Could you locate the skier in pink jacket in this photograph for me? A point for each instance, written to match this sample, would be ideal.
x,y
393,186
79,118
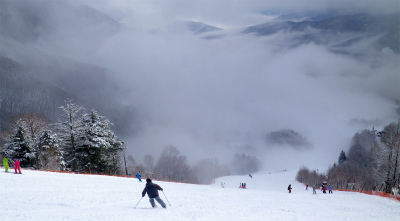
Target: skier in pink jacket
x,y
17,166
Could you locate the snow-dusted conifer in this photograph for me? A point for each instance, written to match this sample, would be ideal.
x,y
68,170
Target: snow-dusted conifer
x,y
49,155
20,147
100,148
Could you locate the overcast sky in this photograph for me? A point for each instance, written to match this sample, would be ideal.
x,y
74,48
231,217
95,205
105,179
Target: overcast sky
x,y
221,97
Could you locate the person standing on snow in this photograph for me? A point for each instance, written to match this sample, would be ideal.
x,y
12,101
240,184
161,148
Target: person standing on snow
x,y
330,189
323,189
17,166
290,188
152,191
139,176
5,163
313,190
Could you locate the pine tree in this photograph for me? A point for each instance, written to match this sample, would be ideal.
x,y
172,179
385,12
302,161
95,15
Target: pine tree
x,y
20,147
49,155
100,148
342,157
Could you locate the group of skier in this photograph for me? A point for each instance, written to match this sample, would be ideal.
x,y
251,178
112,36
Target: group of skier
x,y
242,185
323,188
16,165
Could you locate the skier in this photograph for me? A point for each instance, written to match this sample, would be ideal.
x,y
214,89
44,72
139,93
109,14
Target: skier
x,y
330,189
17,166
313,190
323,189
290,188
5,163
152,191
307,187
139,176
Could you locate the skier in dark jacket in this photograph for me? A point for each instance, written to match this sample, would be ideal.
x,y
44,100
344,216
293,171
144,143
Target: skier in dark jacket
x,y
152,191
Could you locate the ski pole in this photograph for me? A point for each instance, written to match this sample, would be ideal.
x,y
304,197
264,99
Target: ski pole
x,y
138,203
166,198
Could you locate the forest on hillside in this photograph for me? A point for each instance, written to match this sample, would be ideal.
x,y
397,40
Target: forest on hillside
x,y
371,163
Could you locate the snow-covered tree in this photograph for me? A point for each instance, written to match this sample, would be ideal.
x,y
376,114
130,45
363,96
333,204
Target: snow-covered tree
x,y
49,155
386,157
20,146
99,149
70,132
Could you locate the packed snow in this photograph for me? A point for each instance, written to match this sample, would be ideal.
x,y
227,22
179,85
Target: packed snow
x,y
37,195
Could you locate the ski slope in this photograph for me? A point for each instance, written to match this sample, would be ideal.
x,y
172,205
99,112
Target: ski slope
x,y
49,196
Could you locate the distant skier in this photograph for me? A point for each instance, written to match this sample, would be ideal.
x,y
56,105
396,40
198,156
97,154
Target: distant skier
x,y
307,187
323,189
313,190
330,189
250,176
139,176
5,163
17,166
152,191
290,188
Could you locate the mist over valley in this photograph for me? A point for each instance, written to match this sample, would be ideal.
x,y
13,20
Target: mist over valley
x,y
262,80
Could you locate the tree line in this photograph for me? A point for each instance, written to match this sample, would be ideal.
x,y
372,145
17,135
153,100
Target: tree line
x,y
84,142
371,163
173,166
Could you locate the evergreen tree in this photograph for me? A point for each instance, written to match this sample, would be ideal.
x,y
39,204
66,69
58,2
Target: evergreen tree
x,y
20,147
49,155
99,149
342,157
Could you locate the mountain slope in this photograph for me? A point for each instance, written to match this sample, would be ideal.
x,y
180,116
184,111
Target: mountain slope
x,y
386,29
46,196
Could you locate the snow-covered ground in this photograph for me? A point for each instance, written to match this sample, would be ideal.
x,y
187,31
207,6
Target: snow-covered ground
x,y
52,196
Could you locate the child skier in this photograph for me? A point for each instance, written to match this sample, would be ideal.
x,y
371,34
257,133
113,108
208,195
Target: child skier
x,y
152,191
313,190
139,176
17,166
5,163
330,189
290,188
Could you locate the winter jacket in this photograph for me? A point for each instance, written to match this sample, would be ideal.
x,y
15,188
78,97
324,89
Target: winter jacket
x,y
151,189
16,164
5,161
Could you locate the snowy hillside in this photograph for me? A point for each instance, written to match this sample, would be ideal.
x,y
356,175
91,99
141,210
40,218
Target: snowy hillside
x,y
58,196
